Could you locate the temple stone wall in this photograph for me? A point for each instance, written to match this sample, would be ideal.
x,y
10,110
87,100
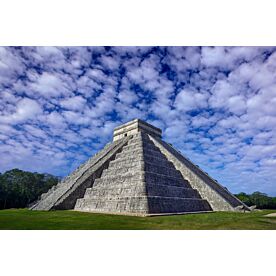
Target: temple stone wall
x,y
133,127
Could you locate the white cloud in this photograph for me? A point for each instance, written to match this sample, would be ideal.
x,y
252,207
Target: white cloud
x,y
54,119
236,104
212,56
221,92
217,105
110,63
25,109
76,118
73,103
187,100
10,66
102,104
145,72
35,131
127,97
49,85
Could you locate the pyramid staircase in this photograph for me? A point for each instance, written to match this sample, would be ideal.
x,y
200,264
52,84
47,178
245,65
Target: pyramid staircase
x,y
141,180
65,194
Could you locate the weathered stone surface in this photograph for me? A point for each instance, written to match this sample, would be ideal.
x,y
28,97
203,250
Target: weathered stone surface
x,y
141,181
139,174
133,127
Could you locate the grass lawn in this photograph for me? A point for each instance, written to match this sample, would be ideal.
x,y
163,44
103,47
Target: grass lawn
x,y
25,219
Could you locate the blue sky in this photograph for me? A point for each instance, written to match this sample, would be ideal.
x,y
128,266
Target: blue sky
x,y
59,105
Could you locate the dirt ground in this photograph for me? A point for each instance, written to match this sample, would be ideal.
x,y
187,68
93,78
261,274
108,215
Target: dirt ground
x,y
271,215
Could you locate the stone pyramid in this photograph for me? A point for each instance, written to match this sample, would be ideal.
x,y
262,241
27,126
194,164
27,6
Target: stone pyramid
x,y
138,173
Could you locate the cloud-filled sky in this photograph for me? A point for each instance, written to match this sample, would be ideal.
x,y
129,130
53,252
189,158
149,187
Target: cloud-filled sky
x,y
59,105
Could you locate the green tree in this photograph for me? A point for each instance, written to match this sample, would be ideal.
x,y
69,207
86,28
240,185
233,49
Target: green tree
x,y
244,198
261,200
19,188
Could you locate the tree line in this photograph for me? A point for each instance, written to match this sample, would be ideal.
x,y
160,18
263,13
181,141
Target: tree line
x,y
20,188
260,200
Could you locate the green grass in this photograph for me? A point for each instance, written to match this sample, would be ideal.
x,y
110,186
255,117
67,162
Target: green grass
x,y
25,219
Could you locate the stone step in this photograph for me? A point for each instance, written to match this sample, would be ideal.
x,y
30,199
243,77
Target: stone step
x,y
139,156
119,179
158,160
146,150
151,178
147,167
171,191
117,164
141,190
158,205
122,171
131,205
139,146
143,157
148,177
142,141
143,204
138,152
117,184
137,140
130,190
164,170
129,163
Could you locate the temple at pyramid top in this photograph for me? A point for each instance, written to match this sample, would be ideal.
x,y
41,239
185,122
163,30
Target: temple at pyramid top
x,y
140,174
135,126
